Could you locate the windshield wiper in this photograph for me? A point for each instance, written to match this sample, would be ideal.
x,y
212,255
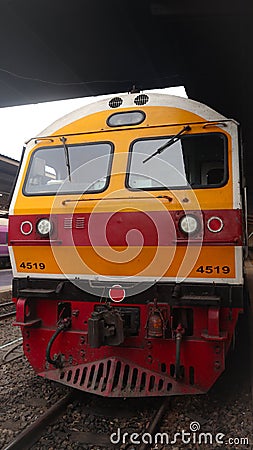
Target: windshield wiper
x,y
168,143
66,151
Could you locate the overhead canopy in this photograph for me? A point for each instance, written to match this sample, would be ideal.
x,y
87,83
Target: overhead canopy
x,y
59,49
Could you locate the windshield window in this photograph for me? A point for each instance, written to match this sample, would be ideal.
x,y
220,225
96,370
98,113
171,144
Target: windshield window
x,y
194,160
90,166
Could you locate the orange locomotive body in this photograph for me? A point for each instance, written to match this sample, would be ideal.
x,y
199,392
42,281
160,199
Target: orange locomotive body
x,y
125,235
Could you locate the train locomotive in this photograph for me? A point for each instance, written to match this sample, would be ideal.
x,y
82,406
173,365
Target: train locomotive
x,y
4,253
126,240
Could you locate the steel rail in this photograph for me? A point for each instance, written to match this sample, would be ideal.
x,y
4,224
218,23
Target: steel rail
x,y
10,313
5,316
151,427
6,356
156,421
2,305
11,343
32,433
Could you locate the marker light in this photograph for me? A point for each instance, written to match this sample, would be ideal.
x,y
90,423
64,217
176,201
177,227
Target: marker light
x,y
44,227
215,224
188,224
26,227
117,293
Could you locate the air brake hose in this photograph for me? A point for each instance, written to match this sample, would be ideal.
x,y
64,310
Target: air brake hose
x,y
179,336
178,350
62,326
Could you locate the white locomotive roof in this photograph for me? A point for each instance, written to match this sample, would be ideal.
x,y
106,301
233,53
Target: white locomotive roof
x,y
208,114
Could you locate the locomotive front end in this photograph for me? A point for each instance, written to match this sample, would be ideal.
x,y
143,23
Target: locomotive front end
x,y
126,244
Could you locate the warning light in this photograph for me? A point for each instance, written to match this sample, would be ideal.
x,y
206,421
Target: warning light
x,y
215,224
117,293
26,227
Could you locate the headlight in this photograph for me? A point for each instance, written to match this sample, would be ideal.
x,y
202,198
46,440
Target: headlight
x,y
26,227
44,227
188,224
215,224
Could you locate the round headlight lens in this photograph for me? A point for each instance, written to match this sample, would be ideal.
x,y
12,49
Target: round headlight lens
x,y
188,224
44,227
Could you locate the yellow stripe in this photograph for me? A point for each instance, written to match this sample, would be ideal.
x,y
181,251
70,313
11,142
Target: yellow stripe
x,y
120,261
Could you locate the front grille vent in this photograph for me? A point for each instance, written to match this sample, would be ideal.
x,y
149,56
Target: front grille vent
x,y
141,99
116,378
67,222
77,222
115,102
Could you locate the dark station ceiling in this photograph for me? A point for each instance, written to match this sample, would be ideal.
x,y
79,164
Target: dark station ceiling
x,y
58,49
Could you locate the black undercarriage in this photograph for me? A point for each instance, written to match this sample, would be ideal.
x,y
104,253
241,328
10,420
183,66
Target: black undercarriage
x,y
174,294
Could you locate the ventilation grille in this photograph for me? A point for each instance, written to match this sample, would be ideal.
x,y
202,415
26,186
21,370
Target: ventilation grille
x,y
68,222
141,99
115,102
116,378
77,222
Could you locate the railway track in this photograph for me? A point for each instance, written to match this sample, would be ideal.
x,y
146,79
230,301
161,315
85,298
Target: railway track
x,y
90,421
32,433
7,309
11,350
29,438
152,427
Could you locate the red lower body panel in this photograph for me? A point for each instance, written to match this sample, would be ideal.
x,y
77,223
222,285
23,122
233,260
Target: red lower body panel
x,y
140,366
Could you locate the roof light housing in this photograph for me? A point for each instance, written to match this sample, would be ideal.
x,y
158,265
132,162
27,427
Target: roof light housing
x,y
123,119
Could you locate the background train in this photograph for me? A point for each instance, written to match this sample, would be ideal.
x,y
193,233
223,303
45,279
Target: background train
x,y
126,240
4,253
